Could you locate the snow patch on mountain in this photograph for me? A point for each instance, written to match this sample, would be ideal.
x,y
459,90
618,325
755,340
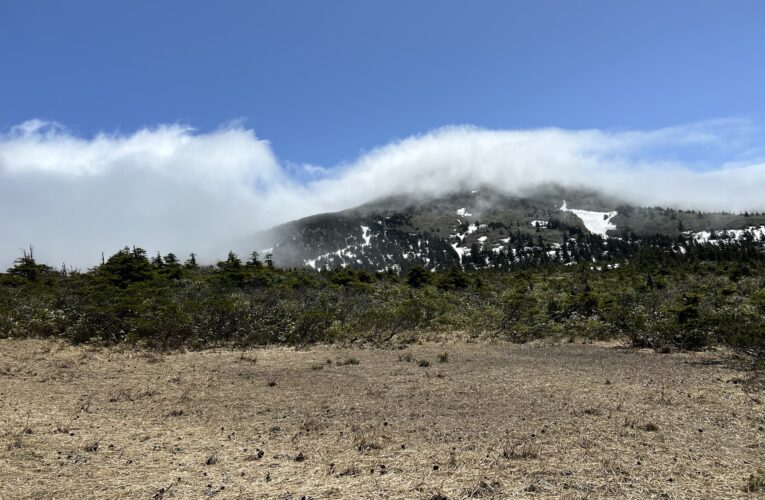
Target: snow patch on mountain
x,y
344,252
365,235
607,267
728,235
462,212
595,222
461,251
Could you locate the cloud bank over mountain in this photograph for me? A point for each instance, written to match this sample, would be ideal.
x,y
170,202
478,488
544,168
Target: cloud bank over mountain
x,y
171,188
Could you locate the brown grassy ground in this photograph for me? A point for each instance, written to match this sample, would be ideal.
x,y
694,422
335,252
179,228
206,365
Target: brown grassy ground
x,y
501,420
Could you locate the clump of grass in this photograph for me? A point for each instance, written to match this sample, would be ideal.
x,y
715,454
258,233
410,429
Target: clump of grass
x,y
123,395
755,482
17,438
649,427
423,363
350,471
482,489
248,359
16,442
443,358
152,358
255,456
407,357
317,367
312,425
272,382
365,441
185,396
348,361
366,445
452,462
521,451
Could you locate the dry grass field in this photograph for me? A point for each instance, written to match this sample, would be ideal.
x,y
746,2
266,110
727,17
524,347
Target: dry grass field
x,y
491,420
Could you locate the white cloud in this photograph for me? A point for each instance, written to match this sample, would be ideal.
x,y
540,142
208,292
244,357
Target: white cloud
x,y
165,188
171,188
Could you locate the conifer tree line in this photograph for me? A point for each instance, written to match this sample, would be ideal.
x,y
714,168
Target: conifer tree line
x,y
709,294
397,241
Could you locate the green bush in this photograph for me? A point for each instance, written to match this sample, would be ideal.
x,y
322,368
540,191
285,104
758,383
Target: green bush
x,y
684,303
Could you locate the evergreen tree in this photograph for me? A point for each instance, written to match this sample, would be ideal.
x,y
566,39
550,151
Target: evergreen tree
x,y
231,268
418,277
27,268
172,268
232,262
191,262
156,261
254,261
126,267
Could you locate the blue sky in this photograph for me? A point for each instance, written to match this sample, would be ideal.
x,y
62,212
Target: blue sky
x,y
188,126
324,81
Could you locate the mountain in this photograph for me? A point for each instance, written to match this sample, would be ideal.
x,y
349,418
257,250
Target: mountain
x,y
486,227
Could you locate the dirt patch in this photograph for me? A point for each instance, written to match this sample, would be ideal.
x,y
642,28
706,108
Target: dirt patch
x,y
486,420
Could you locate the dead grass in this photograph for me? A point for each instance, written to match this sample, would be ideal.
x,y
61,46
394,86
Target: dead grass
x,y
495,421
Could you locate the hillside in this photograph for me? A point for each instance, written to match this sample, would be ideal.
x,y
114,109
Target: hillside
x,y
484,227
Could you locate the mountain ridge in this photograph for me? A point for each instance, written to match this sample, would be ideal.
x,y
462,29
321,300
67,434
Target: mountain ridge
x,y
485,227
